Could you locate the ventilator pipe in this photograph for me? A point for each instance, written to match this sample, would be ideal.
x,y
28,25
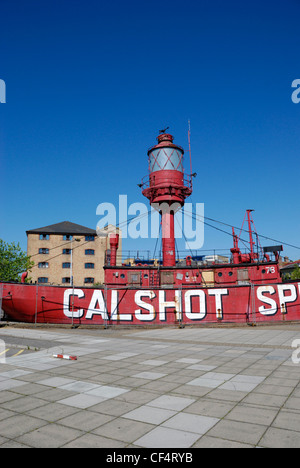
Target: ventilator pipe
x,y
114,245
24,276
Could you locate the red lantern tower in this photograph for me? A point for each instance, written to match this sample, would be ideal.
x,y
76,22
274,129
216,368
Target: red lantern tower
x,y
167,189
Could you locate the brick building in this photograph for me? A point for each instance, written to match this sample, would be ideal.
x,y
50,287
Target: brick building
x,y
65,250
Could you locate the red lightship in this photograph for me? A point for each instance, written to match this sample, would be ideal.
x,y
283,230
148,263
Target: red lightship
x,y
194,289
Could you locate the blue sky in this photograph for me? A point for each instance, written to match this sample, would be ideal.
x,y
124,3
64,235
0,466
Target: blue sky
x,y
90,83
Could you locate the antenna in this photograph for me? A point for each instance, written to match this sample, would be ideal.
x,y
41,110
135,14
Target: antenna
x,y
252,243
190,151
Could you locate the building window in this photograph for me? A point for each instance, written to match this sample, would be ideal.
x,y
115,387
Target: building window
x,y
68,237
43,251
43,265
67,251
66,265
89,238
44,236
89,280
42,280
66,280
89,265
90,252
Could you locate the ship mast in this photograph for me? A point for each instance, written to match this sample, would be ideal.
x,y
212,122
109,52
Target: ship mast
x,y
252,243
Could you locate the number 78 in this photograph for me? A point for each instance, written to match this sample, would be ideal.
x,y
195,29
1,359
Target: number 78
x,y
271,270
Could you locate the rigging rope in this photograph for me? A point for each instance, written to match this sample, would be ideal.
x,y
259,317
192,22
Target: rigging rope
x,y
188,213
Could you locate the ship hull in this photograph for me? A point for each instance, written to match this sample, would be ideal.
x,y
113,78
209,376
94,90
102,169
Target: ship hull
x,y
129,306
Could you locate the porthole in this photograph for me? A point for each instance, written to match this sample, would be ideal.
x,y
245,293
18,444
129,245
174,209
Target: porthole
x,y
220,274
230,273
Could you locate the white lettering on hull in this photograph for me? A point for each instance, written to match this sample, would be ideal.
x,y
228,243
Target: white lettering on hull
x,y
175,305
283,299
151,315
202,304
218,293
272,310
194,304
68,300
97,299
280,294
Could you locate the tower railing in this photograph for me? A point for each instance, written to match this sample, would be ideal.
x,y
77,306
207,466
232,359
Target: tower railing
x,y
187,182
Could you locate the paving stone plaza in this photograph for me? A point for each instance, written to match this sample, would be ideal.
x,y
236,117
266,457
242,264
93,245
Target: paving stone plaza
x,y
152,388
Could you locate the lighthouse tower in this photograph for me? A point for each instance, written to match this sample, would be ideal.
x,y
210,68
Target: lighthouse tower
x,y
167,188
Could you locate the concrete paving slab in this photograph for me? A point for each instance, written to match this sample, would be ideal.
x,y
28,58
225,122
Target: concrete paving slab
x,y
107,391
124,430
15,426
280,438
86,420
154,363
150,415
51,412
56,381
191,423
238,386
149,375
251,414
236,431
171,402
81,401
50,436
163,437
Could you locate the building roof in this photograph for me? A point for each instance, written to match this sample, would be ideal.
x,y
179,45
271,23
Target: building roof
x,y
63,228
291,265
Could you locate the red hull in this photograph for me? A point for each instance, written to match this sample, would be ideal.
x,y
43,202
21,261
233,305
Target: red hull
x,y
191,305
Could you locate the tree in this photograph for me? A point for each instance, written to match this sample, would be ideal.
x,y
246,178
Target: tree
x,y
296,273
13,261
